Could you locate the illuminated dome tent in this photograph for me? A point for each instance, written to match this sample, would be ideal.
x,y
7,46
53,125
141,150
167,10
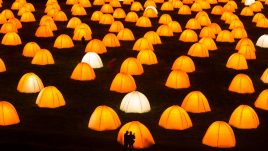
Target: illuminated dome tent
x,y
143,137
262,100
242,84
135,102
237,61
83,72
123,83
178,79
125,35
142,44
184,63
104,118
30,49
175,118
264,76
198,50
116,26
2,66
11,39
8,114
96,45
73,22
111,40
93,59
63,41
244,117
152,37
50,97
8,27
196,102
131,66
43,57
147,57
220,135
30,83
262,41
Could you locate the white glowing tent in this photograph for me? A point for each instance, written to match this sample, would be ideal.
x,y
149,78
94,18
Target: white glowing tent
x,y
262,41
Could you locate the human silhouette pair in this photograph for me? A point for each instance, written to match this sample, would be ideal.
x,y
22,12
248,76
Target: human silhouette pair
x,y
129,139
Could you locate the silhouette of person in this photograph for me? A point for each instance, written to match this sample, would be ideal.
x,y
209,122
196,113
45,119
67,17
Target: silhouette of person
x,y
83,40
131,139
126,140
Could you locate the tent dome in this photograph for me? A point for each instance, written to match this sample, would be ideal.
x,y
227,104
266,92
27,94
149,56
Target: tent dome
x,y
152,37
30,83
185,10
123,83
96,15
249,2
237,61
198,50
165,19
175,26
50,23
241,83
119,12
60,16
192,24
239,33
215,28
79,11
136,6
175,118
115,3
11,39
257,17
220,135
111,40
107,8
93,59
209,43
246,11
27,17
106,19
79,33
207,32
184,63
135,102
44,31
131,66
196,102
104,118
264,76
178,79
143,137
30,49
63,41
147,57
262,100
244,41
98,2
150,11
83,72
131,17
217,10
262,41
96,45
248,52
244,117
116,26
188,35
165,31
2,66
143,21
167,6
125,35
142,44
8,114
8,27
149,4
43,57
50,97
8,13
225,36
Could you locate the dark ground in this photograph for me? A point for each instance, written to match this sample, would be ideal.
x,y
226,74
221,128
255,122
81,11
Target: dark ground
x,y
65,128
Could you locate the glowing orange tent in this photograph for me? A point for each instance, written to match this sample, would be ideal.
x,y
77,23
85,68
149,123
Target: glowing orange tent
x,y
43,57
11,39
198,50
144,138
131,66
188,35
111,40
264,77
30,49
178,79
175,118
104,118
125,35
142,44
262,100
244,117
50,97
123,83
63,41
8,114
195,102
241,83
184,63
147,57
2,66
237,61
96,45
83,72
152,37
220,135
30,83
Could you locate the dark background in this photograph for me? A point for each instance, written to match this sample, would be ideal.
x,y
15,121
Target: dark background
x,y
65,128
